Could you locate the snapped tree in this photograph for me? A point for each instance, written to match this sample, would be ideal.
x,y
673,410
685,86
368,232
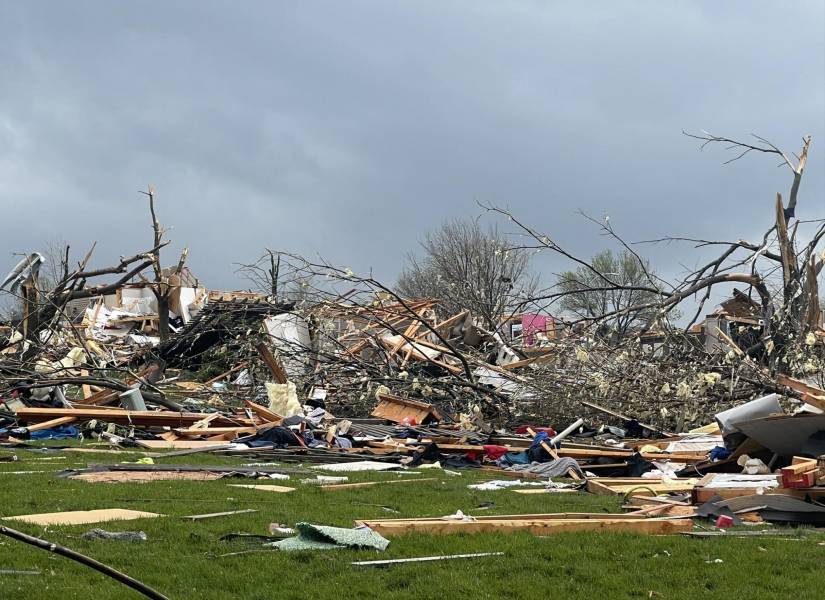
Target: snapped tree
x,y
162,288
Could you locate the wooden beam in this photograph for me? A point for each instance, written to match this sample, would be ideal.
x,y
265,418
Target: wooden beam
x,y
584,454
219,514
810,394
274,366
264,412
349,486
648,487
234,369
190,431
85,388
52,423
536,527
409,332
451,321
181,445
121,416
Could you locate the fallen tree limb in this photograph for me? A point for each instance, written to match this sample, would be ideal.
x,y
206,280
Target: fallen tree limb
x,y
84,560
112,384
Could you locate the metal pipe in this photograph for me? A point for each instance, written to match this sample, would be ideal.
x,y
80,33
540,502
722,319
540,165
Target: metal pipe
x,y
560,436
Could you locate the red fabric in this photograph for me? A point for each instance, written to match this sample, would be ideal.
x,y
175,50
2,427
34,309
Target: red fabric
x,y
494,452
523,429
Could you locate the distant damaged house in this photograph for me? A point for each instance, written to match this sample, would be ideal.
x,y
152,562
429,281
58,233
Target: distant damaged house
x,y
739,318
132,311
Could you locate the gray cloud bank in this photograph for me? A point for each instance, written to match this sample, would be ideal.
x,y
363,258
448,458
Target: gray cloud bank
x,y
347,129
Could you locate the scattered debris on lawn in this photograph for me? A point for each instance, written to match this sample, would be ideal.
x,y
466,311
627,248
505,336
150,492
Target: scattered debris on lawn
x,y
322,537
120,536
719,422
401,561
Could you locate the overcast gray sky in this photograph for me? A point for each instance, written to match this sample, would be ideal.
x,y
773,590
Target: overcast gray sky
x,y
347,129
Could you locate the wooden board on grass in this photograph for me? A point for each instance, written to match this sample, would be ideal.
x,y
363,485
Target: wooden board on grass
x,y
180,444
609,486
280,489
536,527
349,486
145,476
83,517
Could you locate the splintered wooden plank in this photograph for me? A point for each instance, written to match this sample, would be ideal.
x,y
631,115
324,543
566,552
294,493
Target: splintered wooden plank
x,y
107,396
545,491
234,369
349,486
83,517
219,514
810,394
647,487
800,465
264,488
145,476
190,431
147,418
525,517
600,489
274,366
264,412
536,527
53,423
180,444
86,389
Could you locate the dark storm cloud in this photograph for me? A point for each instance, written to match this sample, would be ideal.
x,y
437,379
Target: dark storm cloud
x,y
347,129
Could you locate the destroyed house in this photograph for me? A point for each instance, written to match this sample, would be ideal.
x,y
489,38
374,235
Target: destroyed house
x,y
531,329
739,318
221,321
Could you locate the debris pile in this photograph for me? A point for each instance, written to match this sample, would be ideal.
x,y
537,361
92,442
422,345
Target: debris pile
x,y
720,419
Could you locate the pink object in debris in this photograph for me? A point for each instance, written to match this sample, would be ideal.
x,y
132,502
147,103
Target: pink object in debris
x,y
724,521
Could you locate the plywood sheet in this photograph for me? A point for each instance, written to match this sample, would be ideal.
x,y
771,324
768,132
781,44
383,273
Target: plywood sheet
x,y
83,517
146,476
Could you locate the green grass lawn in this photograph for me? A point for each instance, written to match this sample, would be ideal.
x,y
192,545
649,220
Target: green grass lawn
x,y
181,558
